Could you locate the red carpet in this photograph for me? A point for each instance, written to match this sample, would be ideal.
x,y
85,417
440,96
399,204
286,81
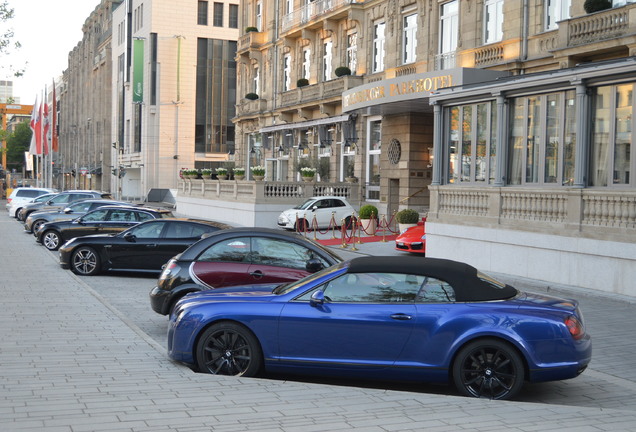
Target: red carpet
x,y
364,239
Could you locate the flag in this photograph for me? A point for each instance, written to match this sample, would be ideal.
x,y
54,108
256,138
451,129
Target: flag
x,y
46,133
36,143
54,143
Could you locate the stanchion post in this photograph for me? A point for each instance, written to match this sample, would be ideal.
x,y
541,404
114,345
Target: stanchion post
x,y
333,220
386,225
343,230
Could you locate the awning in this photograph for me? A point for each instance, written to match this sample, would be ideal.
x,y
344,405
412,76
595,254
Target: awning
x,y
305,124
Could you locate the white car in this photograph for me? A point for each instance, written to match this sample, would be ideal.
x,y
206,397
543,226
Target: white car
x,y
23,195
323,211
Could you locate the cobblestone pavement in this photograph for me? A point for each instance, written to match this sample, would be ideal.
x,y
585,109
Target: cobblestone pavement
x,y
71,360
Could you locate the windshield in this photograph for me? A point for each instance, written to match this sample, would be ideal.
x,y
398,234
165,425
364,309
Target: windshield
x,y
285,288
305,205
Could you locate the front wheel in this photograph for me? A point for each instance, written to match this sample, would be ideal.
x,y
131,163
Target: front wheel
x,y
37,224
229,349
85,262
51,240
301,225
488,368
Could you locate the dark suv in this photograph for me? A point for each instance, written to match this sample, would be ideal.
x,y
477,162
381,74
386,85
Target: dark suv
x,y
60,201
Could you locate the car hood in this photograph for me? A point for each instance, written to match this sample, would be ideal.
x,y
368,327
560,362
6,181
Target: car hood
x,y
238,293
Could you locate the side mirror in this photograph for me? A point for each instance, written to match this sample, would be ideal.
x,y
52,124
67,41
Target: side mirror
x,y
317,298
130,237
313,265
314,208
68,210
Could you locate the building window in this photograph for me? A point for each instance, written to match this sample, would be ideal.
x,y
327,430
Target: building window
x,y
286,72
202,13
259,16
233,19
326,60
409,39
352,49
257,79
449,26
374,147
555,11
493,21
378,47
612,134
217,19
154,59
542,139
306,63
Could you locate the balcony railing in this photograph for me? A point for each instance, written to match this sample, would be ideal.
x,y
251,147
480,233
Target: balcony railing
x,y
310,12
604,25
445,60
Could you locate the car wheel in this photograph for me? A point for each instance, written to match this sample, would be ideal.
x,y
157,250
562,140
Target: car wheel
x,y
488,368
84,261
301,225
229,349
51,240
347,222
18,214
37,224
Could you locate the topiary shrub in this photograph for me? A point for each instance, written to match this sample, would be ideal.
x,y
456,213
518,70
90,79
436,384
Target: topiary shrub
x,y
366,211
302,82
342,70
250,29
591,6
251,96
407,216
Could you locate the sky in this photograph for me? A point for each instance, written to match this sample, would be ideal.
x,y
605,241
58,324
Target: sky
x,y
48,30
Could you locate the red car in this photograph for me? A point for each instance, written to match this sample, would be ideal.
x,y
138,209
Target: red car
x,y
412,240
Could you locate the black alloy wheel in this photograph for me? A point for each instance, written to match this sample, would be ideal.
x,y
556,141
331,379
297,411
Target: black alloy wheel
x,y
84,261
229,349
301,225
37,224
488,368
51,240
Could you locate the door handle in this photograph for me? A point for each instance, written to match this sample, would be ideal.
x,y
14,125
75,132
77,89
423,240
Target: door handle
x,y
151,245
401,317
257,274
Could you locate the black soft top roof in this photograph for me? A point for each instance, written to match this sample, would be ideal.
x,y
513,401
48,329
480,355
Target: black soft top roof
x,y
461,276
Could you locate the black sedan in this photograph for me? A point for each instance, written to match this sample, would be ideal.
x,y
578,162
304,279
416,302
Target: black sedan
x,y
146,247
104,220
74,210
239,256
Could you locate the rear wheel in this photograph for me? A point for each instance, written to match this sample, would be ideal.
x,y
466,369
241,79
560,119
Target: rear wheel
x,y
51,240
229,349
84,261
488,368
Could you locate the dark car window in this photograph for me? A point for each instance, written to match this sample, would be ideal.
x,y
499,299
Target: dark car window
x,y
42,198
274,252
80,207
121,216
435,290
79,196
60,199
149,230
28,193
228,250
95,216
144,216
187,230
338,203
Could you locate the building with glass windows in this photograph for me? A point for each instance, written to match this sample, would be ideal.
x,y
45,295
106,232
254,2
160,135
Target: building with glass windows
x,y
173,91
508,123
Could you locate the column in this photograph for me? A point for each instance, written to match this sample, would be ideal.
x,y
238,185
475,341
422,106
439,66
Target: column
x,y
438,142
502,145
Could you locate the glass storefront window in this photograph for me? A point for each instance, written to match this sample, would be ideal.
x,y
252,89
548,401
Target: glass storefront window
x,y
551,170
374,146
467,126
569,138
623,135
517,141
453,145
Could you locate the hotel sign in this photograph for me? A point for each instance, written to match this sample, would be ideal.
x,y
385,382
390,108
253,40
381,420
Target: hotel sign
x,y
410,87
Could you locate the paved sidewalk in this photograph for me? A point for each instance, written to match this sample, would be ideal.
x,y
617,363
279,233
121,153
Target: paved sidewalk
x,y
70,362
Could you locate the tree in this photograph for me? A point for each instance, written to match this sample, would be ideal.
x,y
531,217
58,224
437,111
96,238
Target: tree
x,y
7,42
18,143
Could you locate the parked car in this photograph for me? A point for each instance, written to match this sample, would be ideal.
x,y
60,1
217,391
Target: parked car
x,y
60,201
145,247
398,318
238,256
412,240
324,210
23,195
72,211
104,220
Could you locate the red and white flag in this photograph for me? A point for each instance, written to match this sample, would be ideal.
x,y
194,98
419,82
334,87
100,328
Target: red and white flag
x,y
36,138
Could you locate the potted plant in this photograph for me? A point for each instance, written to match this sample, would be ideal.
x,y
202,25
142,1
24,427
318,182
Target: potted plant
x,y
190,173
368,215
221,173
250,29
239,173
342,71
407,218
592,6
302,82
308,173
251,96
258,172
206,174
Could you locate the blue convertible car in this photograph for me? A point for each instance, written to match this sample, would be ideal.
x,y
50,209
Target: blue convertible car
x,y
395,318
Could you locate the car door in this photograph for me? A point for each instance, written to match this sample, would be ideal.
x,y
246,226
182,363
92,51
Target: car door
x,y
88,224
135,248
277,260
364,323
224,263
322,212
117,221
177,237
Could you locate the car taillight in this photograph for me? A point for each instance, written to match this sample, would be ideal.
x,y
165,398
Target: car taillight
x,y
169,270
575,327
9,200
